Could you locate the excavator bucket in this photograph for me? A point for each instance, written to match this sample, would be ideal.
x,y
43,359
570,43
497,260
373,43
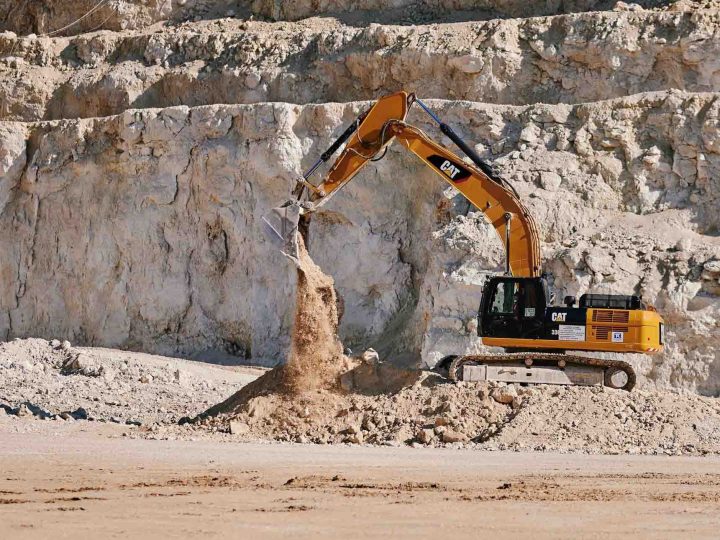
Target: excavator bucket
x,y
280,225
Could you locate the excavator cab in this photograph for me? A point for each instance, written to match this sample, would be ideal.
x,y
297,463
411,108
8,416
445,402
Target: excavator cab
x,y
513,307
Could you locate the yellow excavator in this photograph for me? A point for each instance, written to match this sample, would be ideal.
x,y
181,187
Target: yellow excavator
x,y
515,311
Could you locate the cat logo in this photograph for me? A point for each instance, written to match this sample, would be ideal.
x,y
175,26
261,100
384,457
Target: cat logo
x,y
558,317
450,169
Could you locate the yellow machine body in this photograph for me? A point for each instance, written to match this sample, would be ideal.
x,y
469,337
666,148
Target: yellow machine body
x,y
609,330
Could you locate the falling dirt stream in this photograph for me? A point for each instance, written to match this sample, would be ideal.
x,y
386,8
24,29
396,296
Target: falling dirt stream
x,y
316,359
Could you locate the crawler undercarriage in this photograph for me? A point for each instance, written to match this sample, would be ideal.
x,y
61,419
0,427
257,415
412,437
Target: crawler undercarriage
x,y
542,368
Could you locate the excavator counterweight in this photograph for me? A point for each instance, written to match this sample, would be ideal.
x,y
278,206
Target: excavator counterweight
x,y
515,313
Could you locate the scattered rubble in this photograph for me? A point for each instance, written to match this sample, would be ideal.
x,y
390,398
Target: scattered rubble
x,y
422,410
51,380
434,412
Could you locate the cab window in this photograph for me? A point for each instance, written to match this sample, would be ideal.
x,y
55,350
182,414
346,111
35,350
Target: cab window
x,y
505,298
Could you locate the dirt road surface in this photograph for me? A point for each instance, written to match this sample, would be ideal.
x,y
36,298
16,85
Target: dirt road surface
x,y
85,480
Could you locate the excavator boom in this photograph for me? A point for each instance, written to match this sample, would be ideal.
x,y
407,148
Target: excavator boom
x,y
505,212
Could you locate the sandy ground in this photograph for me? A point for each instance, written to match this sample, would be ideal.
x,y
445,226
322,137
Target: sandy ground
x,y
82,480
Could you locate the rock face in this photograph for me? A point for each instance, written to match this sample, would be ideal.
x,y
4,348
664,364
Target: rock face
x,y
132,217
143,230
568,59
58,17
415,11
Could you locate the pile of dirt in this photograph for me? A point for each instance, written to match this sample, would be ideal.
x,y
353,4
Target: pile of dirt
x,y
611,421
488,416
435,412
316,356
430,411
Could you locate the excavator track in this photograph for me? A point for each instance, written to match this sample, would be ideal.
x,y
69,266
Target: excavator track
x,y
551,360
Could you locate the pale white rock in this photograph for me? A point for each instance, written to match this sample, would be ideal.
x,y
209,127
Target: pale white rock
x,y
684,244
108,374
550,180
526,61
370,356
468,63
505,395
238,428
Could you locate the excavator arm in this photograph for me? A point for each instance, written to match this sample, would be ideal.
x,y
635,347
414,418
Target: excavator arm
x,y
367,140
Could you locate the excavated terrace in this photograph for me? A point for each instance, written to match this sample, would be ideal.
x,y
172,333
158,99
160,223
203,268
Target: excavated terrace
x,y
625,192
562,59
